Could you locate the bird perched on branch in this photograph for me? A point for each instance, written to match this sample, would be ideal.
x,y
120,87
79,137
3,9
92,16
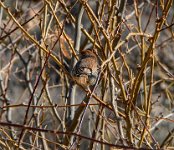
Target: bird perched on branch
x,y
85,71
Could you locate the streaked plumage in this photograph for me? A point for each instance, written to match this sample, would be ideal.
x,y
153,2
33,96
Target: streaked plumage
x,y
86,69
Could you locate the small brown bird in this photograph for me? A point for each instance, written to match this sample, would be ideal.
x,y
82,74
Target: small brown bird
x,y
85,71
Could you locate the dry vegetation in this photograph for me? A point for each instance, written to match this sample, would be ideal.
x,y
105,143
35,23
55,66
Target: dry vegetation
x,y
131,104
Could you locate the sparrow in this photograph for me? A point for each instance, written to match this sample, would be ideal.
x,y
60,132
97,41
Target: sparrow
x,y
86,69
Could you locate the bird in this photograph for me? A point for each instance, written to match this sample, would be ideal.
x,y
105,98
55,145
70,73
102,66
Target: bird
x,y
86,69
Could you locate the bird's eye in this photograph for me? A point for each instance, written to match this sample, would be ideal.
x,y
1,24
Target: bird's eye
x,y
81,69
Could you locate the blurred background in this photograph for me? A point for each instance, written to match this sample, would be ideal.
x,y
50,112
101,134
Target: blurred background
x,y
133,103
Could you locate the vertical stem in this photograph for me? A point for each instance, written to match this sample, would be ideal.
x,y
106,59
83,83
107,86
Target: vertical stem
x,y
147,121
72,89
